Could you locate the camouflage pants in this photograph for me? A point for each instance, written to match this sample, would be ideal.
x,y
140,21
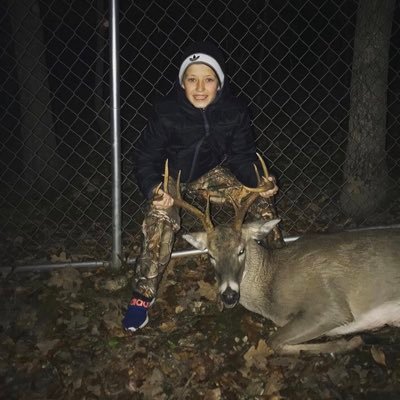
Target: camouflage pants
x,y
159,226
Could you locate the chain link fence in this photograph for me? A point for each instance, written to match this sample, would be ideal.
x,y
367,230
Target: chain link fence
x,y
290,60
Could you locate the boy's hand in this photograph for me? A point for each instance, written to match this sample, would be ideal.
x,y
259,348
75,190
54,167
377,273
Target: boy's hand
x,y
271,192
162,200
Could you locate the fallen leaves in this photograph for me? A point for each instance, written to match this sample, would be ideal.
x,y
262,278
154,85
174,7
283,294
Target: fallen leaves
x,y
26,318
46,345
64,330
61,257
257,356
68,279
378,355
152,388
213,394
168,326
207,290
111,320
115,284
78,321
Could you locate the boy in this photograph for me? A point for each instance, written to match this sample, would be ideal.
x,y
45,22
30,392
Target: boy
x,y
204,132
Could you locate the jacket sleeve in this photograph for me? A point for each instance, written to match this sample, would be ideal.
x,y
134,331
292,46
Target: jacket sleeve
x,y
242,153
150,155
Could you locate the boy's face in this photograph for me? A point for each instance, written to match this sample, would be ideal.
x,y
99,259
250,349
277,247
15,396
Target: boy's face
x,y
200,84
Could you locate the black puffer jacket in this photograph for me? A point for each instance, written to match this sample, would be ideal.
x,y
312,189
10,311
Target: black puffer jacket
x,y
195,140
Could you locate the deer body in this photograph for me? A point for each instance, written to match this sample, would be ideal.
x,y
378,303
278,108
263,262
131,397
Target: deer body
x,y
327,284
320,285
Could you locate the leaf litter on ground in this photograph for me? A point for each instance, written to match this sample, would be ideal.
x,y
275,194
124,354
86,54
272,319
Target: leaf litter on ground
x,y
61,337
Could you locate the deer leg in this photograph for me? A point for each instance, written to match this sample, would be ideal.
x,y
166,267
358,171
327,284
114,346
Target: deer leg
x,y
333,346
307,326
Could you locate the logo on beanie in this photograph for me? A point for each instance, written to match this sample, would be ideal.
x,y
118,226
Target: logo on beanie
x,y
194,57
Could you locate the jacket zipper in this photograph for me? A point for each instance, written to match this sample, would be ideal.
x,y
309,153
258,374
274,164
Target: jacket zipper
x,y
198,145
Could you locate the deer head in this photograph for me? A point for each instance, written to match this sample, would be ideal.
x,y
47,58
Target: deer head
x,y
226,244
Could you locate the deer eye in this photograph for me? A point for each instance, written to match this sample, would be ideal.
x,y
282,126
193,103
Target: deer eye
x,y
241,251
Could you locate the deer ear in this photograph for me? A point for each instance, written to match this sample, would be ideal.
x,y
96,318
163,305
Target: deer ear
x,y
269,225
197,239
258,230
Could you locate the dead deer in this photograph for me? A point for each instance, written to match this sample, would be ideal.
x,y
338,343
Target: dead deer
x,y
320,285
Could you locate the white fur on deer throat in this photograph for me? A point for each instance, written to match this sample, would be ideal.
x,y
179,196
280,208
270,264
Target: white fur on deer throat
x,y
230,284
387,313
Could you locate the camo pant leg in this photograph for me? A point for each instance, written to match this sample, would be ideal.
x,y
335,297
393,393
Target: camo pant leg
x,y
158,228
219,182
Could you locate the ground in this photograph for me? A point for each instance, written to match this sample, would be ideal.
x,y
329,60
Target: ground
x,y
61,338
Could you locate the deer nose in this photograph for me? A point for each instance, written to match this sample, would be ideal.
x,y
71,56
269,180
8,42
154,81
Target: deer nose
x,y
230,297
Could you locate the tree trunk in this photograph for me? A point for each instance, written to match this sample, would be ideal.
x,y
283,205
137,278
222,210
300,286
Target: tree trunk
x,y
365,170
39,142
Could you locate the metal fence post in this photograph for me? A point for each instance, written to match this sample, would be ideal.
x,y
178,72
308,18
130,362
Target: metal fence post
x,y
76,60
115,134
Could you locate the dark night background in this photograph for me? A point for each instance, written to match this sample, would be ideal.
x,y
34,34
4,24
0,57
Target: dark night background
x,y
60,330
290,60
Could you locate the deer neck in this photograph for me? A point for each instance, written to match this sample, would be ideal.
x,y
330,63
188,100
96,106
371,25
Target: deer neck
x,y
259,271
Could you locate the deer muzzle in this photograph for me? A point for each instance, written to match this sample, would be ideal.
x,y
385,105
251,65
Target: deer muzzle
x,y
230,297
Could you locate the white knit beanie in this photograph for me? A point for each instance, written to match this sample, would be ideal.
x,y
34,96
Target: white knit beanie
x,y
201,58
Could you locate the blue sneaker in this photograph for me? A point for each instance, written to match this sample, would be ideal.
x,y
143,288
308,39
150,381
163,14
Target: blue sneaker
x,y
136,315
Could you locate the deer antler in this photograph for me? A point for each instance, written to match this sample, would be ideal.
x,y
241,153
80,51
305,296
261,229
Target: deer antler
x,y
205,218
263,185
241,200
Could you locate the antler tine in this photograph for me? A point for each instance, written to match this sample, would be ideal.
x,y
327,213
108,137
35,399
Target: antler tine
x,y
157,196
239,216
257,174
240,211
264,167
178,200
263,183
166,176
178,186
